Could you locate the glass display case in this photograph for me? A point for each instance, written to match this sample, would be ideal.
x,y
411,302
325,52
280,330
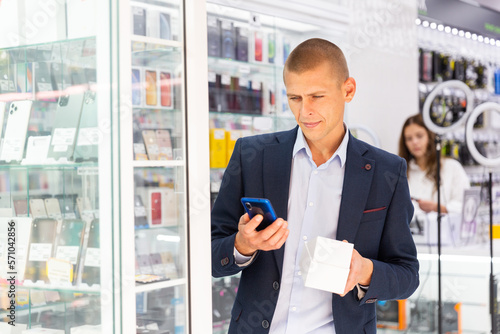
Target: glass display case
x,y
98,214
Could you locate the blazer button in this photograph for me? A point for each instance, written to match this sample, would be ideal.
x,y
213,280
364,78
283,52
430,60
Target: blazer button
x,y
276,285
368,166
265,324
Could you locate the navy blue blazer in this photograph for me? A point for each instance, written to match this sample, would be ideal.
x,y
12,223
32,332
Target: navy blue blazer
x,y
375,212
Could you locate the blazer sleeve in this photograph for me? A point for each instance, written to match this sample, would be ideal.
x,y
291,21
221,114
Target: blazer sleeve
x,y
226,213
395,270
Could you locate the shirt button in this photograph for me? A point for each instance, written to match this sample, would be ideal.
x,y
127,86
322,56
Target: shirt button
x,y
265,324
311,204
276,285
304,237
315,172
294,309
299,273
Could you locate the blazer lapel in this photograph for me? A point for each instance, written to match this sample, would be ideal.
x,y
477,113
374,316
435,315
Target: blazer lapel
x,y
277,165
357,180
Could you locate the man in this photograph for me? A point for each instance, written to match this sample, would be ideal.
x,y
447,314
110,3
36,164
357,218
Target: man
x,y
321,182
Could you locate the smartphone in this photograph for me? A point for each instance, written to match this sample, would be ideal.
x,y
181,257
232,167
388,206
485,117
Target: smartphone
x,y
91,272
2,114
151,143
16,129
156,208
164,145
43,80
166,89
37,208
87,142
66,122
42,237
68,245
151,88
259,206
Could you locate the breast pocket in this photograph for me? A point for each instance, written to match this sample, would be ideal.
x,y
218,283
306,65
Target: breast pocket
x,y
374,214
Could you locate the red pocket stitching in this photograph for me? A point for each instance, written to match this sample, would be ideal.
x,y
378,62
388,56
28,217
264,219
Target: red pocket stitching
x,y
375,210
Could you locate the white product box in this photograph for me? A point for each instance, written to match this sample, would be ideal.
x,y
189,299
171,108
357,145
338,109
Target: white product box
x,y
43,331
86,329
325,264
5,328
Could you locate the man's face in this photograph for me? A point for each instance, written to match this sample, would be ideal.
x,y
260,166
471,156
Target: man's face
x,y
317,99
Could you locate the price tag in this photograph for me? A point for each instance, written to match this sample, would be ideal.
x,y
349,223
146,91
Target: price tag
x,y
63,136
263,123
68,253
93,257
40,252
88,136
59,271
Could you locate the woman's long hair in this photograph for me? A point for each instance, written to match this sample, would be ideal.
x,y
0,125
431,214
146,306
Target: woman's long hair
x,y
430,152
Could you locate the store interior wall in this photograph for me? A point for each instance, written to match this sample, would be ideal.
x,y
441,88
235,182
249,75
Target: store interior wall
x,y
383,58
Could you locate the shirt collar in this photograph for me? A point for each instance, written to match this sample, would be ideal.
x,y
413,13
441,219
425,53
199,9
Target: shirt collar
x,y
341,152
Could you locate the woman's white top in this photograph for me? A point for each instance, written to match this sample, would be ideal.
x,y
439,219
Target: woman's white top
x,y
454,181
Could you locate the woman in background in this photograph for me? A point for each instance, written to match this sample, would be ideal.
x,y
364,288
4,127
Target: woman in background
x,y
416,146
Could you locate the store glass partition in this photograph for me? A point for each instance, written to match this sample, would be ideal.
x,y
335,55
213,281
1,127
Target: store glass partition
x,y
159,153
51,133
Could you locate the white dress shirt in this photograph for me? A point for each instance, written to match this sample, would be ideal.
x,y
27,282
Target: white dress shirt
x,y
454,181
313,210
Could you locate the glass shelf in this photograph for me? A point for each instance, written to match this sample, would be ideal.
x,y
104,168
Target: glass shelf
x,y
159,285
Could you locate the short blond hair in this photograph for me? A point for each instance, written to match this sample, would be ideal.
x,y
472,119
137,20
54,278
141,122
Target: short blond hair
x,y
314,52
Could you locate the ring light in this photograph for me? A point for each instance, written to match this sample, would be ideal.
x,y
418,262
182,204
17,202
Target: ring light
x,y
469,138
469,97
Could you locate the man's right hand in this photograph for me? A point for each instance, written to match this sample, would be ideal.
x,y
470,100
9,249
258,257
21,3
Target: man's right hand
x,y
248,240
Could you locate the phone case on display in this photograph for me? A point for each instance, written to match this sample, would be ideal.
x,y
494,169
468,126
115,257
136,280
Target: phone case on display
x,y
91,271
164,145
69,242
84,208
66,123
22,226
166,89
151,88
42,238
16,129
21,207
37,208
53,208
89,135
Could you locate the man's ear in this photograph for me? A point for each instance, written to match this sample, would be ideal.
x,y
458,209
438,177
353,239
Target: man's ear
x,y
349,88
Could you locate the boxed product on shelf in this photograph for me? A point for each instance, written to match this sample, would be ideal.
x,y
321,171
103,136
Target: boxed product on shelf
x,y
231,138
218,150
138,21
214,37
241,43
228,33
